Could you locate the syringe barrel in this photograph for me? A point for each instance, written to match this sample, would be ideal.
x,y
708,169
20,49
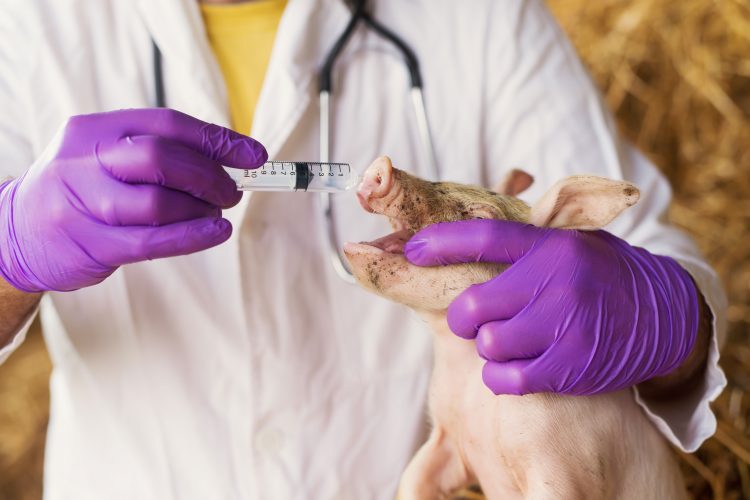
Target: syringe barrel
x,y
284,176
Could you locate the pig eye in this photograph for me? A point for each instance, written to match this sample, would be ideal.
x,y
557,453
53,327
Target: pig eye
x,y
482,211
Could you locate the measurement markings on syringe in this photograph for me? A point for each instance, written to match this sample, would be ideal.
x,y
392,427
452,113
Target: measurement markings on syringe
x,y
297,176
290,168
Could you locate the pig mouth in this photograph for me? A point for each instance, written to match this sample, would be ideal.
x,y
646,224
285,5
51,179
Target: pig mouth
x,y
392,243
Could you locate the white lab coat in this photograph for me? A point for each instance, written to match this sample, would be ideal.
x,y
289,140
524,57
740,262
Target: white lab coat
x,y
250,370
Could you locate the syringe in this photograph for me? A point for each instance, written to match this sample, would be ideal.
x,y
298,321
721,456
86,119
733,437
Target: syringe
x,y
296,176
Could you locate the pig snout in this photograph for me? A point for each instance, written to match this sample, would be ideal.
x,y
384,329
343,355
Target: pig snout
x,y
376,183
382,192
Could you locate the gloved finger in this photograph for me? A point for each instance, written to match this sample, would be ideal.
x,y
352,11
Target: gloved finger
x,y
150,159
512,339
479,240
213,141
514,377
134,244
119,204
484,303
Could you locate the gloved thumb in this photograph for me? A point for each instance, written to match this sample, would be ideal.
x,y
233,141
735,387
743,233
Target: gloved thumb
x,y
513,377
479,240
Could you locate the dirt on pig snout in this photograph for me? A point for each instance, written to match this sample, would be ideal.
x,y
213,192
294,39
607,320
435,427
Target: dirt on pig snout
x,y
374,269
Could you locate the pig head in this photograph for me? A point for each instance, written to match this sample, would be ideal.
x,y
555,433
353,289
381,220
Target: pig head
x,y
410,203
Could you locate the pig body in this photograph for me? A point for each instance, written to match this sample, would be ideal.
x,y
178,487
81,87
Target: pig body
x,y
534,446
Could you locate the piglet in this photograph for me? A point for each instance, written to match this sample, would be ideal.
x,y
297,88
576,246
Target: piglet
x,y
540,446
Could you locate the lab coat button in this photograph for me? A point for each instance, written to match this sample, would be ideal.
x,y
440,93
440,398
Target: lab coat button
x,y
269,440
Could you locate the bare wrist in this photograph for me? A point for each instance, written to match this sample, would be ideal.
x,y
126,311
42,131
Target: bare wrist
x,y
15,307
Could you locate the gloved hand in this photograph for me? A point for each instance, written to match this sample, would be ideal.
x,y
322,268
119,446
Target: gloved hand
x,y
115,188
577,312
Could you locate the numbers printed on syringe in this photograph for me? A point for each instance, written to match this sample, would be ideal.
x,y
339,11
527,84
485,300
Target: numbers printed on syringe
x,y
300,176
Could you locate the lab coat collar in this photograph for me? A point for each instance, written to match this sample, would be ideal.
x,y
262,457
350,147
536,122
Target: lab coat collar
x,y
177,28
306,33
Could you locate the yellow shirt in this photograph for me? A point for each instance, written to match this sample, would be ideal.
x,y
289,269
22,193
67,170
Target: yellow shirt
x,y
241,36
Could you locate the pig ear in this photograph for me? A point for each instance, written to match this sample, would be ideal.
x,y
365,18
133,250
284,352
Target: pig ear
x,y
514,183
583,202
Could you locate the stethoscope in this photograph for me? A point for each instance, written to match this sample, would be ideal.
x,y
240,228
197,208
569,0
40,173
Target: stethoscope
x,y
325,91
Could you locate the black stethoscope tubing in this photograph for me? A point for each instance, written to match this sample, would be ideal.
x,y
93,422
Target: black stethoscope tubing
x,y
325,80
360,14
160,95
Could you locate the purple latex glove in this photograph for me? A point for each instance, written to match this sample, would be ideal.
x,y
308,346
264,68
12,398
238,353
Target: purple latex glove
x,y
115,188
577,312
